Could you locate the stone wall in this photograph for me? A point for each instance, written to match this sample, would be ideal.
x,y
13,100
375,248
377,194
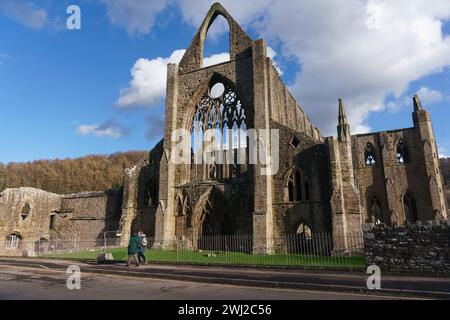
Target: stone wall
x,y
413,249
88,215
25,213
299,152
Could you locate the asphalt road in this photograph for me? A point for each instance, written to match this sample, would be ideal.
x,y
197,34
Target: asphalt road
x,y
22,283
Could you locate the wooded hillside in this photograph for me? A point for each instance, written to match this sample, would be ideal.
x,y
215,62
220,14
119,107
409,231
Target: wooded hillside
x,y
90,173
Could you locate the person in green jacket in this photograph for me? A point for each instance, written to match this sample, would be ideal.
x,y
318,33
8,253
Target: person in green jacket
x,y
133,249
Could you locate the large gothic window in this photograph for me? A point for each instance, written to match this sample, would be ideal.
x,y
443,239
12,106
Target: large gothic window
x,y
402,152
369,155
222,110
409,204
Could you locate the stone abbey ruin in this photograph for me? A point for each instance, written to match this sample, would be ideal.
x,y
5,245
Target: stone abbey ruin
x,y
323,185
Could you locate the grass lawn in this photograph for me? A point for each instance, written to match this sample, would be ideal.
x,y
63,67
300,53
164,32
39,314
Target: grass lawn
x,y
234,258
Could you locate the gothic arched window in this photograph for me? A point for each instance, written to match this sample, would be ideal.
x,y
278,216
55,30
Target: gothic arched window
x,y
369,155
298,187
222,110
402,152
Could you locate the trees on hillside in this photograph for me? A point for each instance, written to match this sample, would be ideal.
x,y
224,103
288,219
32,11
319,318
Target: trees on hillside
x,y
90,173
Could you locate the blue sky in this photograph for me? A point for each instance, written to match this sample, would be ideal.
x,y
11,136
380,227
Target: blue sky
x,y
69,93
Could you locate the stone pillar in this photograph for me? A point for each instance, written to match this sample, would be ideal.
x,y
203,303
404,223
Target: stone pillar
x,y
129,204
165,218
262,215
435,183
346,210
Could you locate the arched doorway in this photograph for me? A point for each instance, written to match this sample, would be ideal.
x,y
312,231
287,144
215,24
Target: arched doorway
x,y
214,221
301,241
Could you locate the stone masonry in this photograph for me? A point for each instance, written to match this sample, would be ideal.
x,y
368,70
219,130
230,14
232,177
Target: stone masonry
x,y
323,185
413,249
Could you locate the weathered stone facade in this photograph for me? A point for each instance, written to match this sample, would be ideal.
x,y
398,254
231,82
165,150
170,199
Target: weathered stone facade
x,y
322,185
88,217
33,220
412,249
25,218
325,183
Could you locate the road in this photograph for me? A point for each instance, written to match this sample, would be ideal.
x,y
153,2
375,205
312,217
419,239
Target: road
x,y
18,283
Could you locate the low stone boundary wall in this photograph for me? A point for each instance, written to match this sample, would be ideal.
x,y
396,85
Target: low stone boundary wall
x,y
413,249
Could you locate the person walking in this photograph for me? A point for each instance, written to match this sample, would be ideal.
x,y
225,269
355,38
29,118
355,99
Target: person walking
x,y
133,249
141,253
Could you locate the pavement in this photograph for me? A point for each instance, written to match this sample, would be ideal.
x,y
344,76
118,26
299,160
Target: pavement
x,y
313,280
18,283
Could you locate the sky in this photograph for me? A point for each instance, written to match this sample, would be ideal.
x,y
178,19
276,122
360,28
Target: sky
x,y
100,89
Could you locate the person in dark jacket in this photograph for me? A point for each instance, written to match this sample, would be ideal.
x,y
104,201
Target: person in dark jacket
x,y
133,249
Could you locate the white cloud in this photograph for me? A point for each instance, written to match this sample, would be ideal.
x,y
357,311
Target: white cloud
x,y
136,16
25,13
148,85
216,59
361,50
107,129
430,96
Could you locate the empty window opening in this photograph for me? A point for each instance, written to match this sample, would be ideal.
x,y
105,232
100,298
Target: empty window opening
x,y
52,224
402,152
216,48
25,212
369,155
295,142
298,187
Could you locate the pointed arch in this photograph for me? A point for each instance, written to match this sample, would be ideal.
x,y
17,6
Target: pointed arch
x,y
297,184
402,152
213,214
183,213
215,19
226,113
240,42
370,158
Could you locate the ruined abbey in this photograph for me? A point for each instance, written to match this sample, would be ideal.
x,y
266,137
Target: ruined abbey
x,y
323,184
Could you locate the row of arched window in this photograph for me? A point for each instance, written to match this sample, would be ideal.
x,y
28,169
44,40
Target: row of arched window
x,y
409,207
298,187
370,157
